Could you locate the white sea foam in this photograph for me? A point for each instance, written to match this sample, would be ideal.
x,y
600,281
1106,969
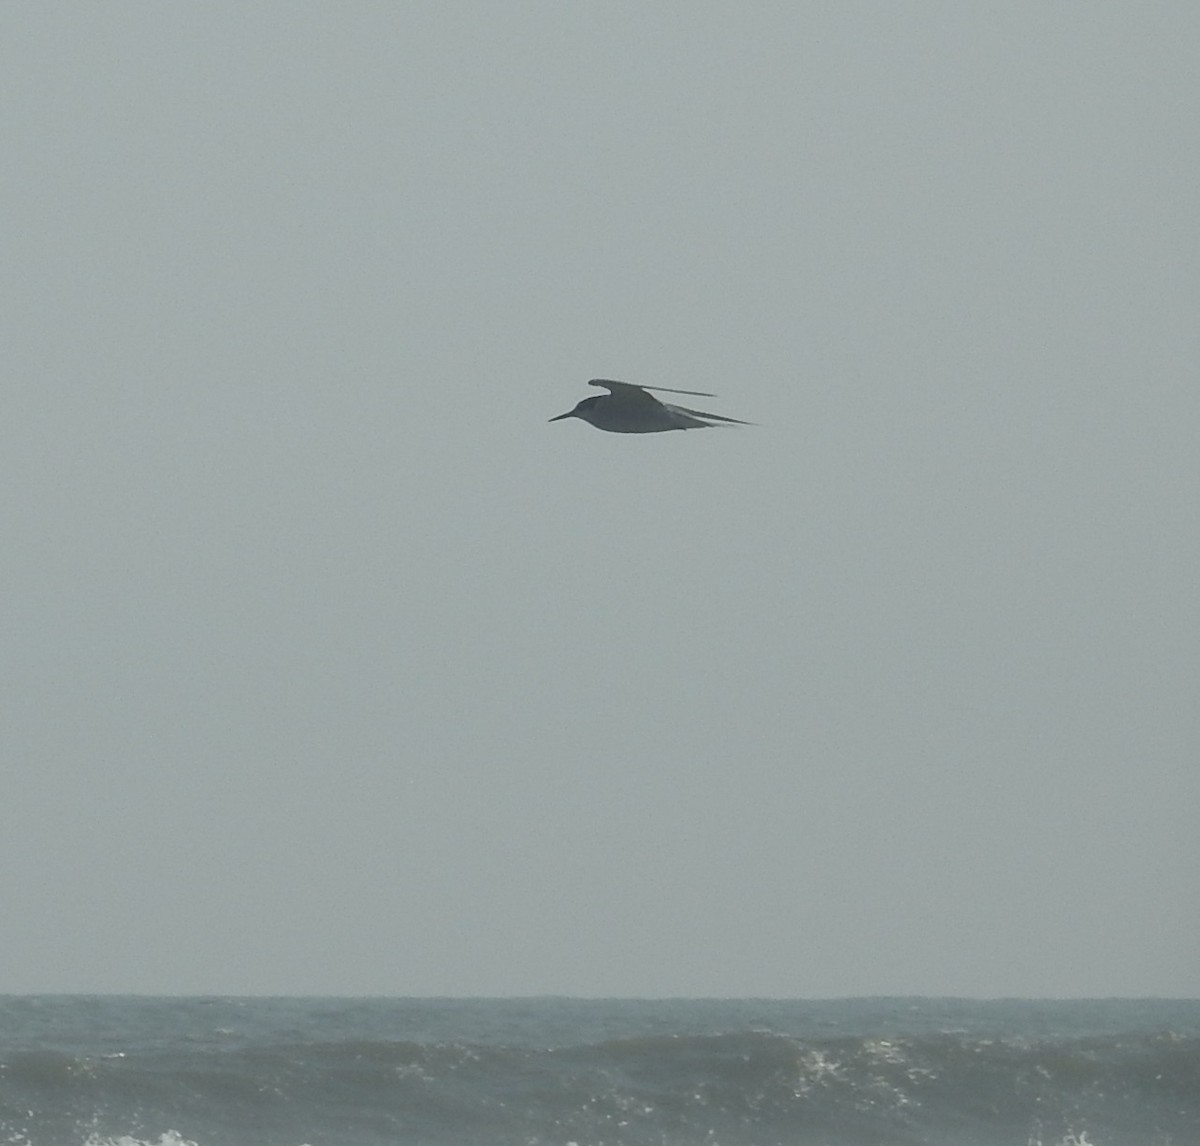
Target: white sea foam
x,y
170,1138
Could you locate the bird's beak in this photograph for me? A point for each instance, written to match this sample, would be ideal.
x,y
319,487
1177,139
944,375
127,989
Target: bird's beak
x,y
568,414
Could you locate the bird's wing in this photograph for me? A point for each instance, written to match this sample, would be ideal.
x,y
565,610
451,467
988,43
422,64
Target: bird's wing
x,y
711,417
628,387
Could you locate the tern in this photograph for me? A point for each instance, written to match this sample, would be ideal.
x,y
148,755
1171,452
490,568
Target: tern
x,y
628,409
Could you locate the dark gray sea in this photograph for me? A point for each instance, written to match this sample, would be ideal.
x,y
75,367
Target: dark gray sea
x,y
115,1071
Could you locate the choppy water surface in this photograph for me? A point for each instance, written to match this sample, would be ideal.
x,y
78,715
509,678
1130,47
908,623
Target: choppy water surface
x,y
107,1071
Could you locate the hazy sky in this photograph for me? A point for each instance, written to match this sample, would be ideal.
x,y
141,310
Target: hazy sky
x,y
330,667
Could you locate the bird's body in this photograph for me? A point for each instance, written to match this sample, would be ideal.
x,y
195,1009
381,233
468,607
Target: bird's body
x,y
629,409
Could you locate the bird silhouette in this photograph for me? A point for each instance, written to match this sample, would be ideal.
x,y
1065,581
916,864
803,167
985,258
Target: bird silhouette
x,y
629,409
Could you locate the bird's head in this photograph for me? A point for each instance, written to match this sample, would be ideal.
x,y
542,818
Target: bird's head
x,y
582,409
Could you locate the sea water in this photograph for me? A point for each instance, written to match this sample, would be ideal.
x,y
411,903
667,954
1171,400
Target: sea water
x,y
117,1071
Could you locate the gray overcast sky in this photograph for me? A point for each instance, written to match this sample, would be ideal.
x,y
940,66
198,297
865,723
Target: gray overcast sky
x,y
331,667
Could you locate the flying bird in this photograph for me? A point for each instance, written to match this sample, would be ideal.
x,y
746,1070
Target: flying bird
x,y
628,409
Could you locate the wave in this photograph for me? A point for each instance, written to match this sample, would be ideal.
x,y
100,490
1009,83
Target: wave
x,y
746,1088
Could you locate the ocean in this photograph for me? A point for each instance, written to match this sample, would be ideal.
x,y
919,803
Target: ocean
x,y
135,1071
